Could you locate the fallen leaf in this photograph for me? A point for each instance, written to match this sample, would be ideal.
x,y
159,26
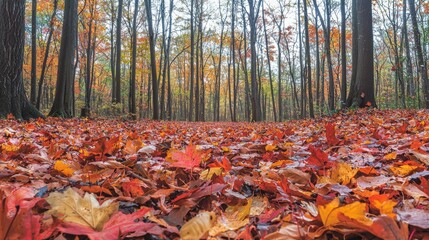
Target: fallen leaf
x,y
329,212
87,211
189,159
198,226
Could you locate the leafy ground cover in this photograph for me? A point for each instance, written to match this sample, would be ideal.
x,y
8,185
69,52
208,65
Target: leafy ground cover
x,y
356,175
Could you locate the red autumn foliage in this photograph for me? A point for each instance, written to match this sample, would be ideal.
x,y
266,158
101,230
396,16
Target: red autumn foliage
x,y
367,179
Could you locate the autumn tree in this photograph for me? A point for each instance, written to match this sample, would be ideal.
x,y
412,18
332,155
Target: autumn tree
x,y
421,60
148,7
63,102
362,90
12,30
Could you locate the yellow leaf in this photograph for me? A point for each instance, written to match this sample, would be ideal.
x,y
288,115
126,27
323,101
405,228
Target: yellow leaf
x,y
390,156
63,168
403,170
71,207
235,217
9,148
198,226
270,148
208,173
343,173
383,204
329,212
225,149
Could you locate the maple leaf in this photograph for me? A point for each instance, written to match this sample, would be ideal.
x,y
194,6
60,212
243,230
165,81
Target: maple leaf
x,y
330,135
189,159
318,157
71,207
119,226
329,212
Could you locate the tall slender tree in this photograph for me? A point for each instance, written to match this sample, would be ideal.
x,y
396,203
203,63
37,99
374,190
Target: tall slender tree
x,y
308,62
117,90
46,55
33,51
132,95
343,55
155,103
255,93
420,57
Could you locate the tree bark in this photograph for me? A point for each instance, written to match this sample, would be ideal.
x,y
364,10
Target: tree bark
x,y
12,37
422,63
155,104
33,51
63,102
132,96
362,93
308,62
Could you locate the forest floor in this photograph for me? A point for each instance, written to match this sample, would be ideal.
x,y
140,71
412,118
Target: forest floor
x,y
356,175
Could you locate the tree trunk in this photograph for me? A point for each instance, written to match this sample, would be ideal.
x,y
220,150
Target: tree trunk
x,y
308,62
132,95
12,37
63,102
267,49
422,63
343,55
327,34
33,51
45,58
255,97
155,104
117,98
362,93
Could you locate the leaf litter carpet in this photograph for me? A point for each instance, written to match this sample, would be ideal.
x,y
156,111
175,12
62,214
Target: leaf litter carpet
x,y
355,175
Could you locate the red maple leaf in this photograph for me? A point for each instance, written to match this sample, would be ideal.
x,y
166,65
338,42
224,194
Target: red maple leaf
x,y
189,159
318,157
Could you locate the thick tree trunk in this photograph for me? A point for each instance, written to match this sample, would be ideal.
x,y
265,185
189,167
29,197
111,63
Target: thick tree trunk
x,y
362,93
12,36
63,102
